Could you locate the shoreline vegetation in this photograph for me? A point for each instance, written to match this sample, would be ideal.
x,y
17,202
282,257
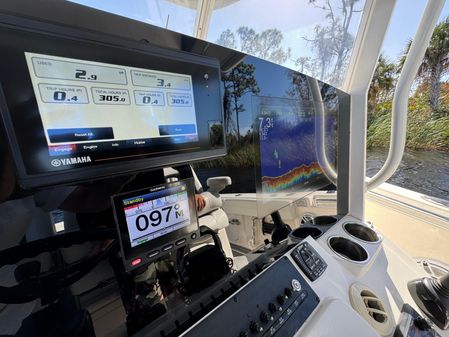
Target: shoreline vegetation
x,y
423,132
238,157
428,106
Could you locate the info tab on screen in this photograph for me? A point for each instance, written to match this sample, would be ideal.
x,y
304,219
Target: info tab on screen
x,y
83,101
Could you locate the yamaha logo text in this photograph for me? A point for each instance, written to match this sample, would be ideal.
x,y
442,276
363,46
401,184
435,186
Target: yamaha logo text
x,y
70,161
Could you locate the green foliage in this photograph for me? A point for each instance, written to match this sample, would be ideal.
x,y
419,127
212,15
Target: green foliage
x,y
428,109
423,132
238,157
428,122
378,111
216,135
241,154
382,84
435,63
437,53
242,158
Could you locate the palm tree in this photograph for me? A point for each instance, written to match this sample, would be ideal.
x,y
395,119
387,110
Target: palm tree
x,y
435,63
383,81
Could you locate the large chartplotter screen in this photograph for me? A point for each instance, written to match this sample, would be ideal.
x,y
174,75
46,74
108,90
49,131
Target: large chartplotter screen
x,y
76,109
84,104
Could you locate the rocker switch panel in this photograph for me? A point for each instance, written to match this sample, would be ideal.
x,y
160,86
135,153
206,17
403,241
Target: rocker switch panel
x,y
309,261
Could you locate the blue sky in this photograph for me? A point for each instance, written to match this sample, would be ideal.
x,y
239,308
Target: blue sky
x,y
403,25
295,18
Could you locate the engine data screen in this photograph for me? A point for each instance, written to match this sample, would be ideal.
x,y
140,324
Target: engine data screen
x,y
84,103
156,214
77,108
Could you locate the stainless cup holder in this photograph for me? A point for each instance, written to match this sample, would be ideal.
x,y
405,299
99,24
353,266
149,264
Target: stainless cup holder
x,y
301,233
325,220
361,232
348,249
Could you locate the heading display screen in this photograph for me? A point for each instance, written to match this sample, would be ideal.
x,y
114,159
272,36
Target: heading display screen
x,y
77,107
155,220
83,102
155,214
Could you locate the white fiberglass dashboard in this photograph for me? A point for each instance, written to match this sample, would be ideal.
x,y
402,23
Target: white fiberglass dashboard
x,y
321,288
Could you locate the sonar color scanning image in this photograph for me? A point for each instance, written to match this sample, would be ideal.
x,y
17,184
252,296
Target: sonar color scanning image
x,y
288,160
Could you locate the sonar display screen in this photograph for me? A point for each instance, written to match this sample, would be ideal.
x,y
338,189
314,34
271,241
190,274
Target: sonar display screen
x,y
288,145
156,214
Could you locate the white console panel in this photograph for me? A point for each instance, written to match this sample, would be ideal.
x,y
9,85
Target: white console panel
x,y
334,318
386,272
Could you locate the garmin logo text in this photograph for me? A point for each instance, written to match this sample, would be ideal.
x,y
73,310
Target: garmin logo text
x,y
70,161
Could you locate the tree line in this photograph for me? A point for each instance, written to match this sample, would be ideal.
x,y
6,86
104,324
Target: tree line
x,y
430,78
428,117
331,44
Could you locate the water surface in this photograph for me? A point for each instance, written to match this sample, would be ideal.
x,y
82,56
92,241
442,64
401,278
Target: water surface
x,y
425,172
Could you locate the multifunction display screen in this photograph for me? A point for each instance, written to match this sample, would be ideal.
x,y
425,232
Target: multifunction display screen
x,y
84,104
155,214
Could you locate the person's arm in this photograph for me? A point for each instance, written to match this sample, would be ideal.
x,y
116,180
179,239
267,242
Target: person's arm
x,y
200,202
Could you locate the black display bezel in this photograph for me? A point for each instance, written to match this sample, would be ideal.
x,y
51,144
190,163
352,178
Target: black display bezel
x,y
141,251
26,148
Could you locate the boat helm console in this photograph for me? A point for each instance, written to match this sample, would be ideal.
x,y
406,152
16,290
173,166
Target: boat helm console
x,y
108,116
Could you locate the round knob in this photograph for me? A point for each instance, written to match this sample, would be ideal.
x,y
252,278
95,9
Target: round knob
x,y
265,317
296,285
280,299
288,292
255,327
272,307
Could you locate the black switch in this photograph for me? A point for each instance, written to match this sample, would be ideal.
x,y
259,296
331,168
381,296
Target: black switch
x,y
265,318
255,327
272,307
281,299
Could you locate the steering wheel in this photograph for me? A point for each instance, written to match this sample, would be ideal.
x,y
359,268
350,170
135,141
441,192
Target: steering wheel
x,y
47,285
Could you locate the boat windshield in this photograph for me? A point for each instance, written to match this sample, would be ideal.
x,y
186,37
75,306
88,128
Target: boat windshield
x,y
318,44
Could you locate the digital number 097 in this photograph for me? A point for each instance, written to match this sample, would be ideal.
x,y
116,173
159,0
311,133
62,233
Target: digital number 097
x,y
154,218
